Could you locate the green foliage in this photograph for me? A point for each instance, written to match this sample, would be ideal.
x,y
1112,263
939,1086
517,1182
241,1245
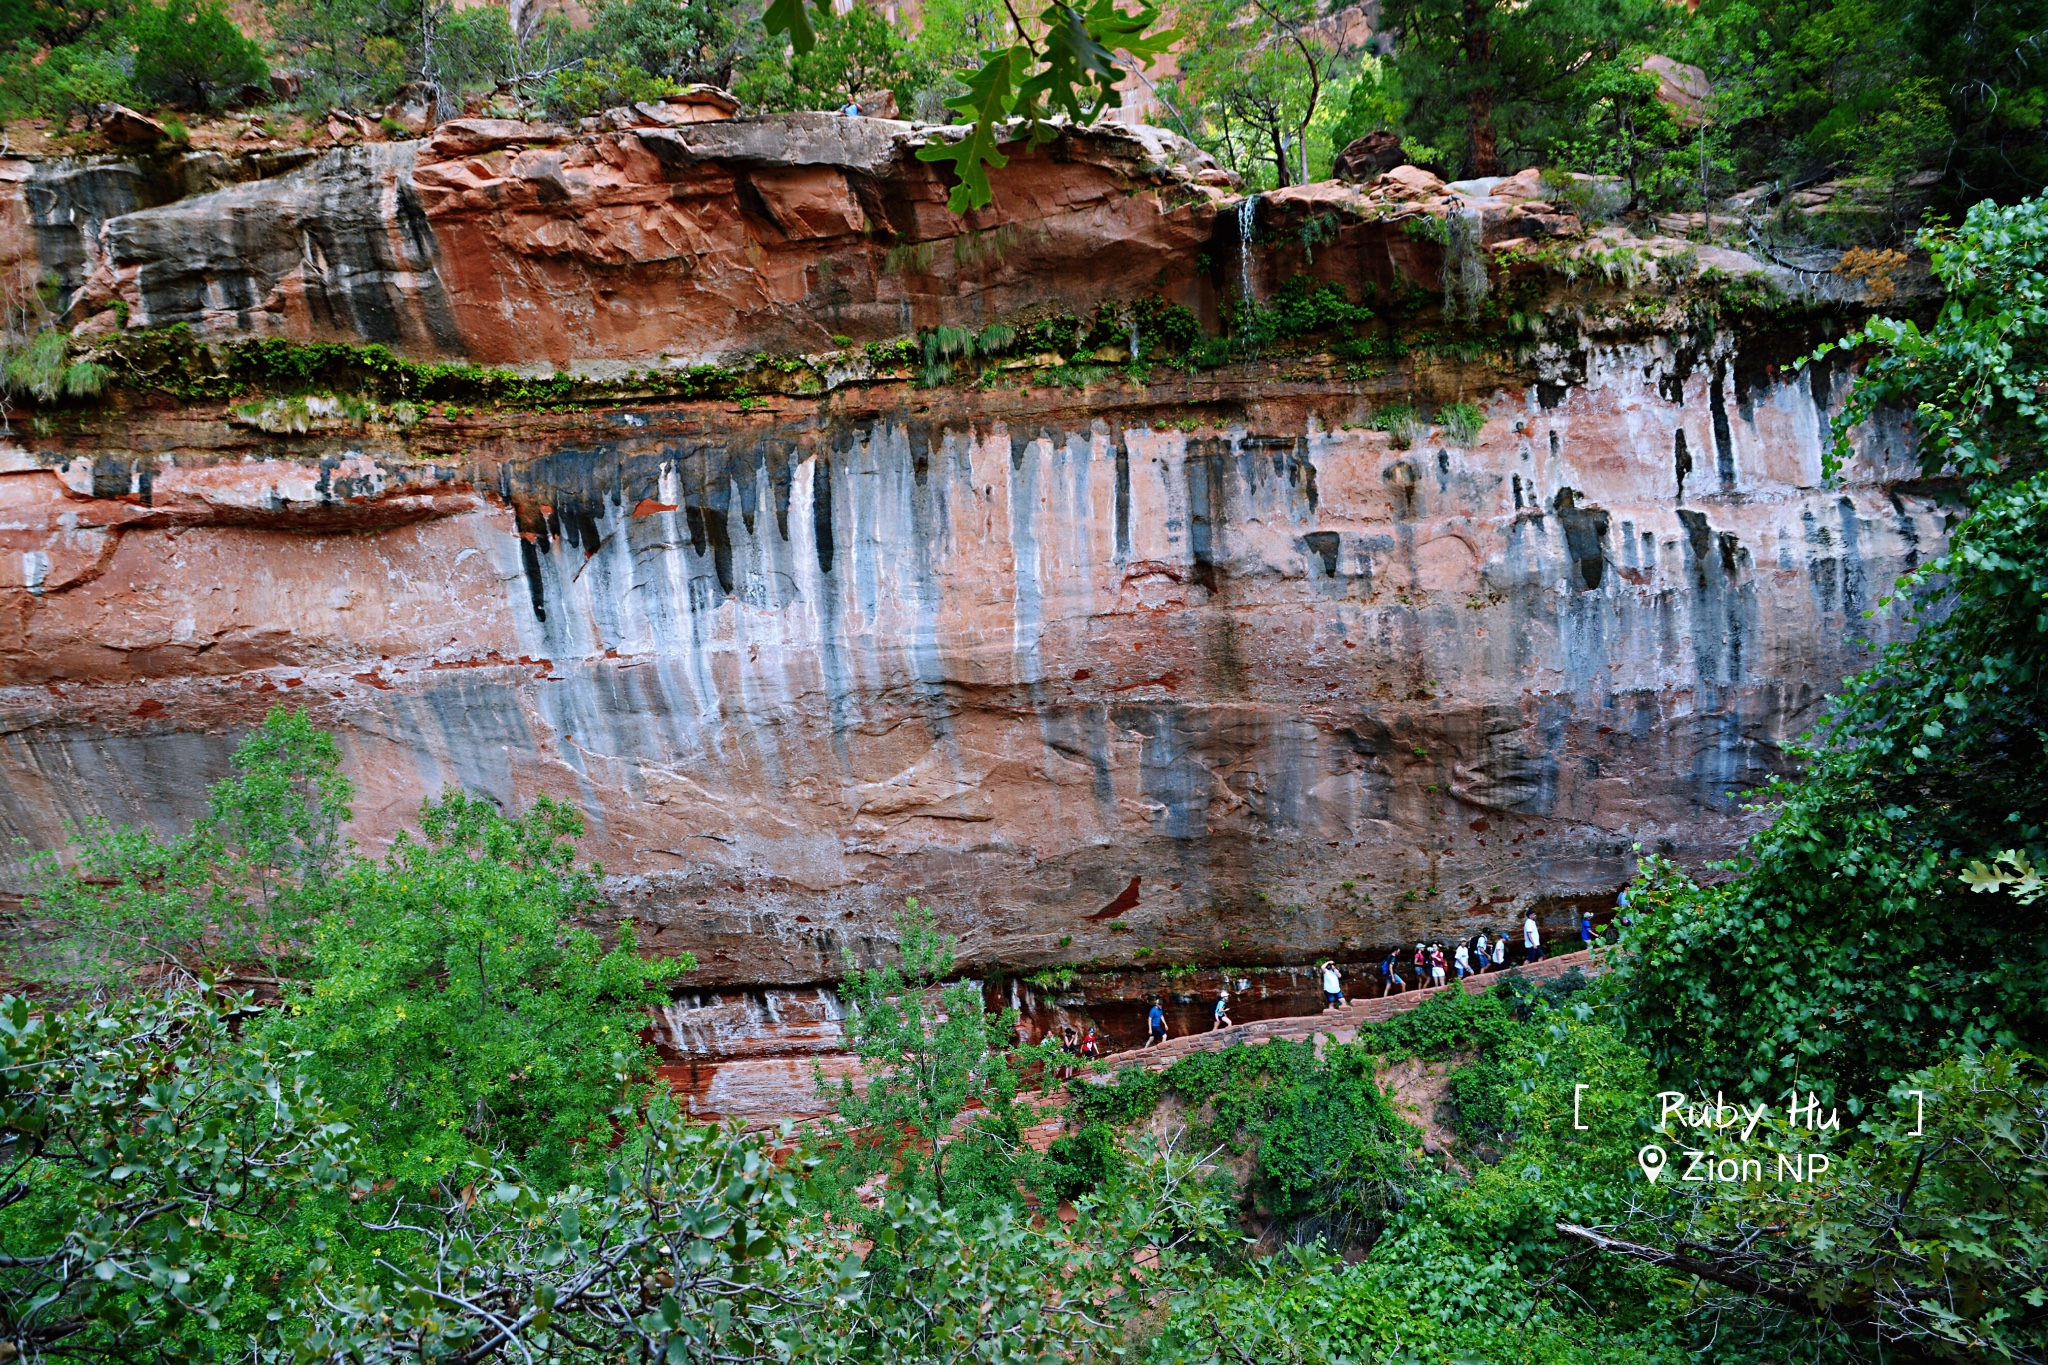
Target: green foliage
x,y
1460,1253
600,83
924,1062
1071,69
1626,131
1495,84
1164,328
42,368
53,23
858,56
1850,949
189,52
452,1001
700,1245
1971,380
141,1140
59,82
675,40
171,361
1461,421
1935,1236
1829,86
239,890
1249,92
1300,307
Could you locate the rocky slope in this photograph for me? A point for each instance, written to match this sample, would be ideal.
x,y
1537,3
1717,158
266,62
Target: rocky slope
x,y
1106,661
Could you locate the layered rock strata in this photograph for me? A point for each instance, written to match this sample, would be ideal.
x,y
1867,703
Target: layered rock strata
x,y
1138,667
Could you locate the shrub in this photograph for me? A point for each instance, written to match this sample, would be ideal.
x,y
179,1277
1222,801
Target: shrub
x,y
1462,422
1400,421
41,368
62,82
600,83
187,52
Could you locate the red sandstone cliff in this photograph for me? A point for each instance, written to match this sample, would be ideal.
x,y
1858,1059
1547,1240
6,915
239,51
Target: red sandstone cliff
x,y
1194,663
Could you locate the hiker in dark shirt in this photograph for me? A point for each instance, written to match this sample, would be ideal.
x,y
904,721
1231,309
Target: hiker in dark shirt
x,y
1156,1024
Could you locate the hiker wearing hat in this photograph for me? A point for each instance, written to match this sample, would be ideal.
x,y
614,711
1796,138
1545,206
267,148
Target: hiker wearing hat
x,y
1333,987
1223,1019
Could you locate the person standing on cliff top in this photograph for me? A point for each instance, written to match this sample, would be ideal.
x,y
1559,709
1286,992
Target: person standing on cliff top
x,y
1155,1024
1532,940
1333,987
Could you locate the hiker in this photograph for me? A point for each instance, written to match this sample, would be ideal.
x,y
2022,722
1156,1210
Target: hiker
x,y
1390,976
1464,960
1223,1019
1090,1048
851,109
1585,930
1333,987
1156,1024
1532,941
1421,967
1485,960
1436,964
1070,1046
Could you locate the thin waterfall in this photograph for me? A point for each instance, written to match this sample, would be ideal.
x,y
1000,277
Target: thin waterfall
x,y
1247,213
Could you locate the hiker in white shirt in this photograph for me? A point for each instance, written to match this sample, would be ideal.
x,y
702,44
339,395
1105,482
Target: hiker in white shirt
x,y
1532,942
1464,960
1333,987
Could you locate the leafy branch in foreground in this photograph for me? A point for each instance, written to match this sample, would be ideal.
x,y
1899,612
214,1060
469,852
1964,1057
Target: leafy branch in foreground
x,y
1928,1235
1071,70
137,1142
699,1245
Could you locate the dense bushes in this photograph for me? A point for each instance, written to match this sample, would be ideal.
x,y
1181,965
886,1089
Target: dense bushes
x,y
1867,933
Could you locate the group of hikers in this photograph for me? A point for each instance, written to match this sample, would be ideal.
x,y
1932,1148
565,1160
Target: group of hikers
x,y
1433,968
1469,958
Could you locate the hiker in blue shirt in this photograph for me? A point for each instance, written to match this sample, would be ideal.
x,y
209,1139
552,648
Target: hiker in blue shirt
x,y
1156,1024
1585,929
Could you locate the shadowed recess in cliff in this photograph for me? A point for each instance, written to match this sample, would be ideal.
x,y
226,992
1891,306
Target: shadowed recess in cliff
x,y
1585,536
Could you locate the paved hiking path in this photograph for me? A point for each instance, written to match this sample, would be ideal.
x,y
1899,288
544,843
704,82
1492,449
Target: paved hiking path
x,y
1341,1024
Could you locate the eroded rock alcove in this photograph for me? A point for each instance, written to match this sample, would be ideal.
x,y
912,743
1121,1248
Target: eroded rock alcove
x,y
1110,662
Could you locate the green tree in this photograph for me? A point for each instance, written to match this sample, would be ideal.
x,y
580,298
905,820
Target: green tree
x,y
1626,131
923,1063
455,1004
238,893
699,1245
53,23
1926,1234
1496,82
685,41
188,52
1066,63
858,54
1251,90
139,1142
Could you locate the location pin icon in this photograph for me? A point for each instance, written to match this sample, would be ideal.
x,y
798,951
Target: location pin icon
x,y
1651,1159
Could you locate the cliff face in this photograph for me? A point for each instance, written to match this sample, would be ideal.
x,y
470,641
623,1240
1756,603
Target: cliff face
x,y
1197,664
657,241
